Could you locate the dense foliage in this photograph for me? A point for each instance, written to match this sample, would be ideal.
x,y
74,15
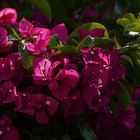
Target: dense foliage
x,y
69,70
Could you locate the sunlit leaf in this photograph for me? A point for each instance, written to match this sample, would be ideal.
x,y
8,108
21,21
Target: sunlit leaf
x,y
89,27
90,42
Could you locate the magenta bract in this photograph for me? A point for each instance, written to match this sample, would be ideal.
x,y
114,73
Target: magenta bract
x,y
7,131
8,16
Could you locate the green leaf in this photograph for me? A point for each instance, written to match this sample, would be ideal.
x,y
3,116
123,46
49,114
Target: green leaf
x,y
138,16
27,58
118,46
14,33
123,22
128,59
133,51
12,37
129,22
86,42
113,106
88,27
135,27
66,50
90,42
130,17
124,97
42,5
85,130
54,42
137,107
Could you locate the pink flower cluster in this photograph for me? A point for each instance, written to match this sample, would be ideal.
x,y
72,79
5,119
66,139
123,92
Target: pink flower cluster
x,y
56,84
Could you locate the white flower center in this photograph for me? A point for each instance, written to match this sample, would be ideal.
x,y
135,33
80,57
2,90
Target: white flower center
x,y
98,92
10,90
100,70
24,94
29,103
92,52
48,102
100,81
1,132
40,106
42,68
8,129
100,100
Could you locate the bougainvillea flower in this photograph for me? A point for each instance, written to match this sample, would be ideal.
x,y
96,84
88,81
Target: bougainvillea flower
x,y
112,62
112,88
92,55
8,92
7,131
8,15
95,75
7,67
90,13
4,69
109,127
25,28
61,31
94,99
40,43
120,125
97,32
41,68
64,81
37,38
23,103
127,117
93,72
43,31
4,38
40,18
43,104
73,104
15,67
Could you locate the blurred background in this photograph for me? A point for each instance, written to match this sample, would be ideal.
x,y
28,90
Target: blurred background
x,y
72,12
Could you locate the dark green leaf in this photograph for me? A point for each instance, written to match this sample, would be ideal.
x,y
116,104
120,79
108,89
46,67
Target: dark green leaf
x,y
137,106
12,37
42,5
113,106
54,42
14,33
27,58
86,42
124,97
85,130
133,51
66,50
